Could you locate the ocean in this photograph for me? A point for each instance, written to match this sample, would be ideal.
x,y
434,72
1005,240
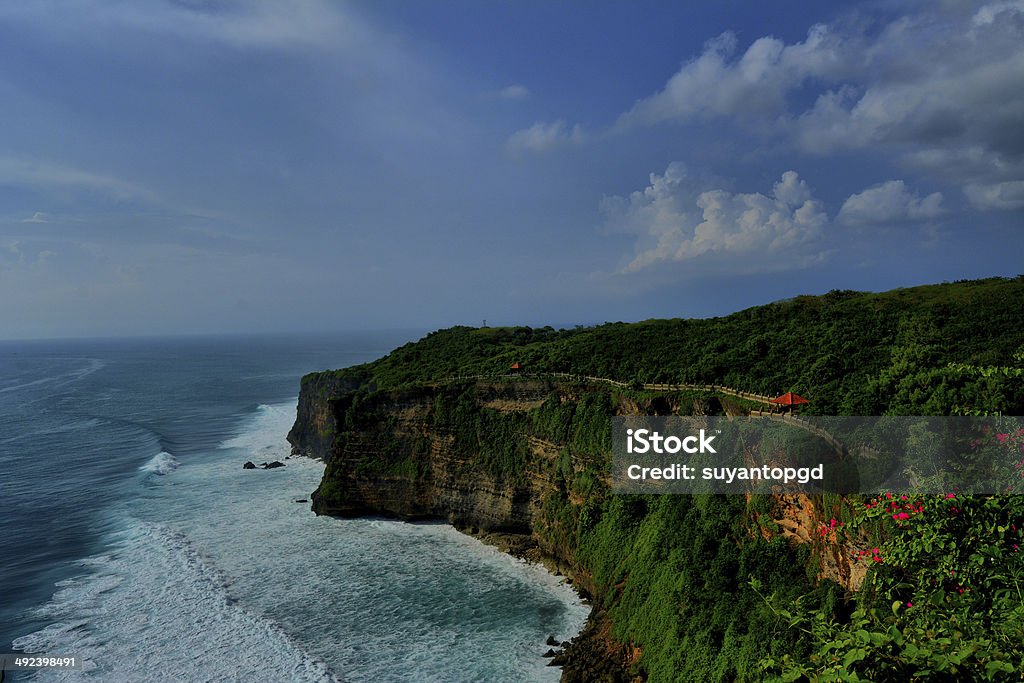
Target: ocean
x,y
131,537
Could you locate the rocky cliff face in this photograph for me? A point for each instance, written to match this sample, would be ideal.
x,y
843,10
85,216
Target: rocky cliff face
x,y
314,428
424,452
388,454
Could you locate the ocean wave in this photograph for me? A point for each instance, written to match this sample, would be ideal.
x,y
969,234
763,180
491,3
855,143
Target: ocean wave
x,y
261,434
155,608
162,463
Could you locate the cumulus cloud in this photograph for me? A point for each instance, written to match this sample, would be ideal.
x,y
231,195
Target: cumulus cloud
x,y
514,92
753,85
675,221
890,203
542,136
37,217
929,89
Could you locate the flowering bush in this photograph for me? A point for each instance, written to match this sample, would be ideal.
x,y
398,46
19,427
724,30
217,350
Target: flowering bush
x,y
943,597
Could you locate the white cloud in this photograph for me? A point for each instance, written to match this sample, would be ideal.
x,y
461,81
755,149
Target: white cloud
x,y
22,254
541,137
990,13
37,217
754,85
942,84
1006,196
890,203
514,92
677,222
47,175
252,23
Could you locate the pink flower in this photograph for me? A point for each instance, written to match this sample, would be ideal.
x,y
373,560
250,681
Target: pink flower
x,y
910,604
1001,438
950,495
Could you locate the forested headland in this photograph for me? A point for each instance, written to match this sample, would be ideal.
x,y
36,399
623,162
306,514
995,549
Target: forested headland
x,y
883,588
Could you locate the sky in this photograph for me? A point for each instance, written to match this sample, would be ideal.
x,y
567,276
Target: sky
x,y
189,167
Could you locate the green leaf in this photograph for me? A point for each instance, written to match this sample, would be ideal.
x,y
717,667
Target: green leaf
x,y
854,655
995,667
792,675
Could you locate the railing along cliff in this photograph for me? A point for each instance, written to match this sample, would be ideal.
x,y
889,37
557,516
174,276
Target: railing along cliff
x,y
790,419
711,388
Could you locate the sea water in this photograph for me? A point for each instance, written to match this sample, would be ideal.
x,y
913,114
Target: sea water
x,y
133,539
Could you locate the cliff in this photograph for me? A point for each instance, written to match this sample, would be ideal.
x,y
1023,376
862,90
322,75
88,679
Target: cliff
x,y
523,464
419,453
685,587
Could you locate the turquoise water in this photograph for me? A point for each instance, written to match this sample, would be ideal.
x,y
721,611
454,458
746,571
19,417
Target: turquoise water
x,y
138,542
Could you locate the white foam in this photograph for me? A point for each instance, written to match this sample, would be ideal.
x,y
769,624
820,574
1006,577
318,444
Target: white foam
x,y
222,576
155,609
263,433
162,463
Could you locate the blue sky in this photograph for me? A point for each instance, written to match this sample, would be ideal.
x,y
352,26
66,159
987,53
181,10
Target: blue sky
x,y
188,167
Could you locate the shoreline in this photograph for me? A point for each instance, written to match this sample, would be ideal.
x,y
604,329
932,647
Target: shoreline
x,y
573,656
591,654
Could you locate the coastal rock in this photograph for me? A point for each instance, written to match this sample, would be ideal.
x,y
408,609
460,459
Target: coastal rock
x,y
273,465
549,653
551,641
301,500
248,465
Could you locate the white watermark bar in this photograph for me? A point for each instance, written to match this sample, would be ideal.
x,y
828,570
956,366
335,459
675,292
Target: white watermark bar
x,y
17,661
789,454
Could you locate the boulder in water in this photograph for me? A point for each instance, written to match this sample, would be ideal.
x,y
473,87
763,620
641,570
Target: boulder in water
x,y
248,465
272,465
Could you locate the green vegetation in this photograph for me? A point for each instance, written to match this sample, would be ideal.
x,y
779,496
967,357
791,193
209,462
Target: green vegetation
x,y
908,351
494,440
676,568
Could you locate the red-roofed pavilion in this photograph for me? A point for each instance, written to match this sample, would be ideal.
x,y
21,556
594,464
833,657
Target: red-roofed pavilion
x,y
789,400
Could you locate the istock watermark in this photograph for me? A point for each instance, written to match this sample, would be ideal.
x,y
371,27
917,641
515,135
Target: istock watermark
x,y
783,454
